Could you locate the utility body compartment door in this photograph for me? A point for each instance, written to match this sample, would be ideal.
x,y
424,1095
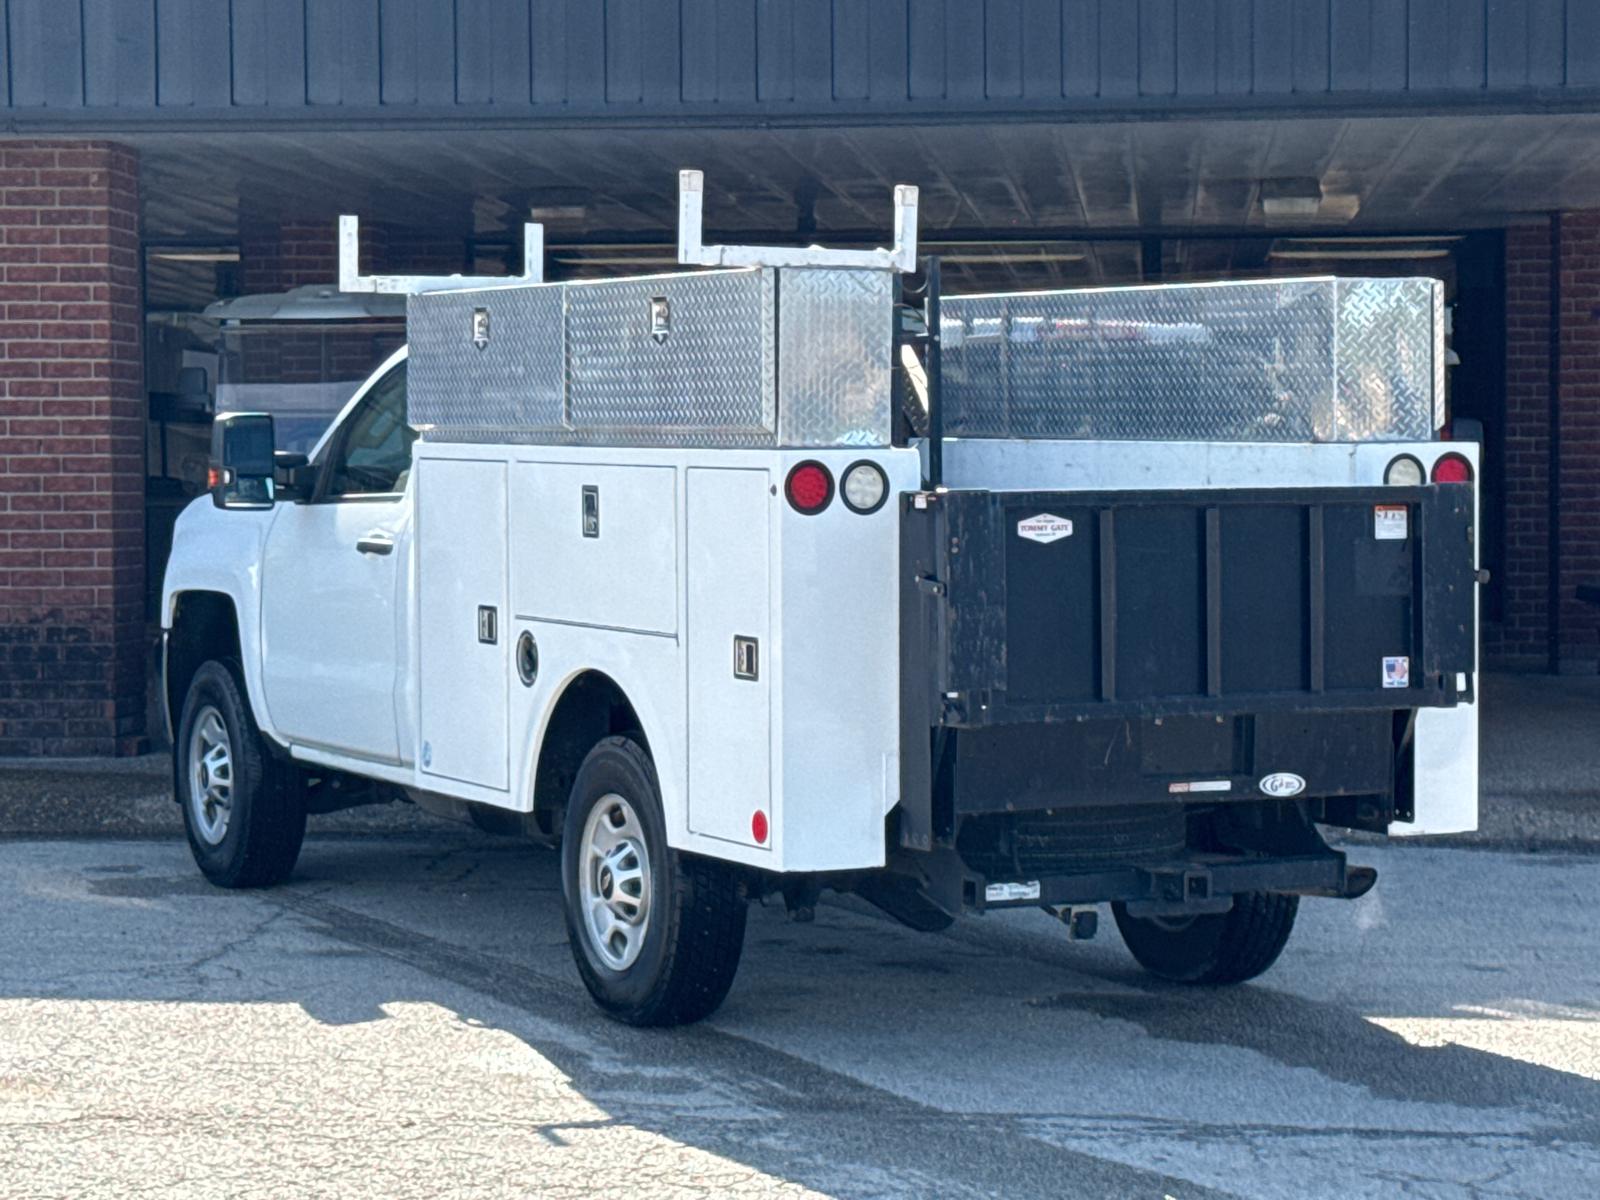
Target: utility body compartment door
x,y
462,619
596,545
730,655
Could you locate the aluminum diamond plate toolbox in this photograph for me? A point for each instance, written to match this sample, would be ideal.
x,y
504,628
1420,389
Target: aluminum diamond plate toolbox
x,y
513,380
688,359
675,354
835,341
1279,360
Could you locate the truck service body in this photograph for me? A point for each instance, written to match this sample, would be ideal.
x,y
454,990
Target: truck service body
x,y
739,581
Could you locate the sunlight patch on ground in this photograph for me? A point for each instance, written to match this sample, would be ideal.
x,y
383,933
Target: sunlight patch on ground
x,y
1569,1043
262,1100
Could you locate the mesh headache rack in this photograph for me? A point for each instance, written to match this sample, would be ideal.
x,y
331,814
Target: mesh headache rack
x,y
789,346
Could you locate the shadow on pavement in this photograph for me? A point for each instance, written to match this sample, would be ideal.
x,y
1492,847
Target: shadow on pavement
x,y
1336,1043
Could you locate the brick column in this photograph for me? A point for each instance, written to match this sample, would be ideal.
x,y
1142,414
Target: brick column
x,y
1522,640
1579,482
72,634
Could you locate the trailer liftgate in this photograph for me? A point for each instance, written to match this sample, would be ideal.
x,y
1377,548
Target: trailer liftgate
x,y
1061,606
1114,659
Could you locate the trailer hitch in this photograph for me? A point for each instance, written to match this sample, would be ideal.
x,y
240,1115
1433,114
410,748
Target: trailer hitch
x,y
1185,892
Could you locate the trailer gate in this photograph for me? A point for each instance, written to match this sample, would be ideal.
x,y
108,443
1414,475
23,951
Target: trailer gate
x,y
1061,606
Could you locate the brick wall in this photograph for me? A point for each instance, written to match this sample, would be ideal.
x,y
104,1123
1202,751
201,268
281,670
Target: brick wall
x,y
278,257
1580,438
289,255
1521,639
72,637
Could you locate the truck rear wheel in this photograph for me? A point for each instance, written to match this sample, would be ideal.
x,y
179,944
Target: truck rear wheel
x,y
656,933
244,811
1213,948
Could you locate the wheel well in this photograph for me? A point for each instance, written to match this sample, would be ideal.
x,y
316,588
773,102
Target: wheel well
x,y
204,626
592,707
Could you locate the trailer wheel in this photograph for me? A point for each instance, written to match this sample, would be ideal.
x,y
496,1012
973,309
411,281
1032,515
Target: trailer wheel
x,y
244,811
1214,948
656,933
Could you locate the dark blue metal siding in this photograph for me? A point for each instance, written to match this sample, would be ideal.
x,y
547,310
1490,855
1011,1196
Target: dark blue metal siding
x,y
48,71
795,58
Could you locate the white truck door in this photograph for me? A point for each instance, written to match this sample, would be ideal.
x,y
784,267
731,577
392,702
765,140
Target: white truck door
x,y
328,587
462,620
729,650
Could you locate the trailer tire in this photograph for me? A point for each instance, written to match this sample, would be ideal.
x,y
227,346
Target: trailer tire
x,y
656,933
244,811
1216,948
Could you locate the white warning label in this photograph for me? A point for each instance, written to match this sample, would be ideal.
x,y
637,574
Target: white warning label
x,y
1389,523
1397,672
1044,528
1000,893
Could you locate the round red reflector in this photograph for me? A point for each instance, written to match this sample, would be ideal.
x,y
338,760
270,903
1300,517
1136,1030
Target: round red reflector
x,y
810,488
758,827
1452,468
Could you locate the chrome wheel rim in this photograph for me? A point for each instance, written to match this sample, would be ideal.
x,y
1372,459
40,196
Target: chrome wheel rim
x,y
614,882
210,776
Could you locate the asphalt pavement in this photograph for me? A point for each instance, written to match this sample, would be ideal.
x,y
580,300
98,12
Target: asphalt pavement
x,y
403,1019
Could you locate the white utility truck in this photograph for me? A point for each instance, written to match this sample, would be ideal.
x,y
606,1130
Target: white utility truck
x,y
782,574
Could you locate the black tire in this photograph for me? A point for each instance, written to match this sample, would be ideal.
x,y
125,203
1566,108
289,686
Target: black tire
x,y
258,840
1215,948
693,927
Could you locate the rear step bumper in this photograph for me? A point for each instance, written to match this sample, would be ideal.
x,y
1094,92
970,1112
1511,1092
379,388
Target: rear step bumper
x,y
1180,888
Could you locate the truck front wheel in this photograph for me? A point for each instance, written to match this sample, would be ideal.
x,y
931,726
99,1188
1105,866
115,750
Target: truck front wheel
x,y
244,811
656,933
1214,948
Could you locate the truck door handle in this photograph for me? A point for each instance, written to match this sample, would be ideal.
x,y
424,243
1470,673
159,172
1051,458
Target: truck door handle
x,y
375,543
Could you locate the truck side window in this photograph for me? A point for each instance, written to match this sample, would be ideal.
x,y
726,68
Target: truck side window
x,y
372,454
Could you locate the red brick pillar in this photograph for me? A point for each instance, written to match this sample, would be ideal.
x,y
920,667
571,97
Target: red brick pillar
x,y
1521,640
72,633
1527,638
1579,479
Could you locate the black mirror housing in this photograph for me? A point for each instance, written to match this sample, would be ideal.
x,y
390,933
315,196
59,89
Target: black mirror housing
x,y
242,461
296,478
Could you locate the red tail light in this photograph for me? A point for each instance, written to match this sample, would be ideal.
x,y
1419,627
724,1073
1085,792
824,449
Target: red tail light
x,y
809,488
1452,468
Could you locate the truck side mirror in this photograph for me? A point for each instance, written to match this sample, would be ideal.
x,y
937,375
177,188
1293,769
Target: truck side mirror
x,y
296,478
241,461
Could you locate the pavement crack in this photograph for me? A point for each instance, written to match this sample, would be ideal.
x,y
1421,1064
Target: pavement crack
x,y
199,964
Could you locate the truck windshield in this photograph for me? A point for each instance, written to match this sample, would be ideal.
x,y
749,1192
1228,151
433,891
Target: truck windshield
x,y
302,372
